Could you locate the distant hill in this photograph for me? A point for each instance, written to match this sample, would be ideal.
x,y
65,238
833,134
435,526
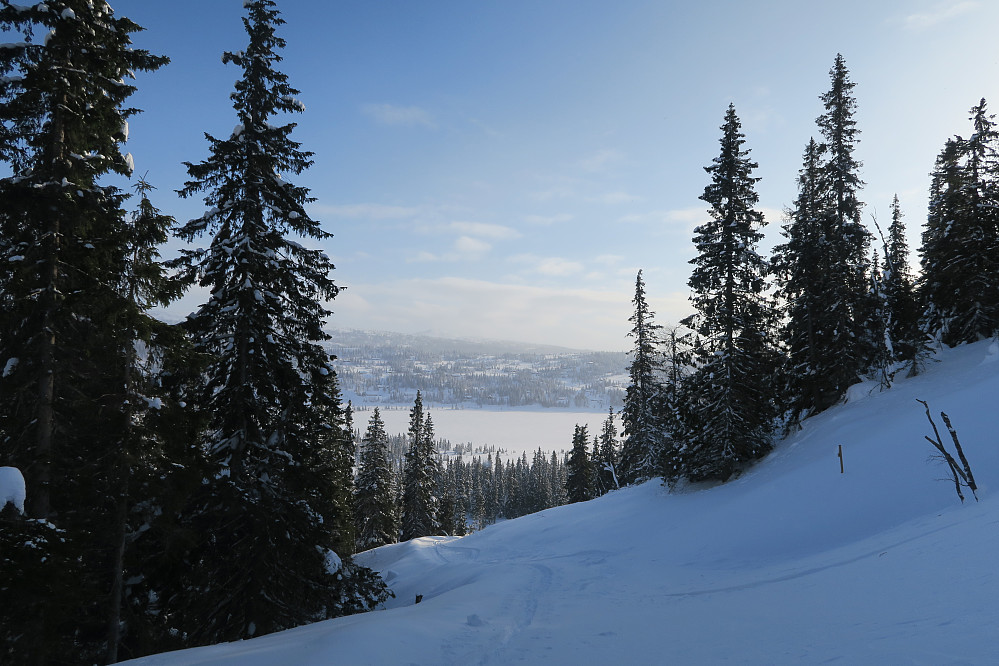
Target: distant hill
x,y
380,368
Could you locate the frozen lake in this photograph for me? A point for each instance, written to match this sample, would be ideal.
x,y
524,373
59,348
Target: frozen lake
x,y
512,430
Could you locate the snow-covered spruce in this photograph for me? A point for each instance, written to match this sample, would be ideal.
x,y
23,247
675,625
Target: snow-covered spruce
x,y
278,441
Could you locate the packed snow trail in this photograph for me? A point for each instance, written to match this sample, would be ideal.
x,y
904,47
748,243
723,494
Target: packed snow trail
x,y
793,562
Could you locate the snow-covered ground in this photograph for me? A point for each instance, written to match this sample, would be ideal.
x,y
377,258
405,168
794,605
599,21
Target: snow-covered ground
x,y
514,431
794,562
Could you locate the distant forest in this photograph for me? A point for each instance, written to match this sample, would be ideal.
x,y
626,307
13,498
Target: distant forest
x,y
389,368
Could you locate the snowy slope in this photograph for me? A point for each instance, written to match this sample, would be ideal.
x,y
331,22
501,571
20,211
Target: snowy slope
x,y
792,563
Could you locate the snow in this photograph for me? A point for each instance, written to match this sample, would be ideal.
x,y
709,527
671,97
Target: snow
x,y
514,431
8,368
333,562
793,562
12,488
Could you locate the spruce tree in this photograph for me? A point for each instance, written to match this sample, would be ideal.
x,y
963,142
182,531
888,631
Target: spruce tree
x,y
271,514
960,263
798,265
844,349
674,405
579,483
735,359
420,477
898,339
642,445
375,495
606,455
67,324
900,288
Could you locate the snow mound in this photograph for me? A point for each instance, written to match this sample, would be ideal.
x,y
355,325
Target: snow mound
x,y
12,488
793,562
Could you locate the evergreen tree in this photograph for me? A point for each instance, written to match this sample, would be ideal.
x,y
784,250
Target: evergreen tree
x,y
735,360
884,355
909,341
579,483
374,495
605,455
270,515
420,477
897,338
674,405
640,452
68,374
960,277
823,271
799,267
844,349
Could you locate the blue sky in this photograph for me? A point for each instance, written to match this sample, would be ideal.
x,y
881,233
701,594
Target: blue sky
x,y
503,169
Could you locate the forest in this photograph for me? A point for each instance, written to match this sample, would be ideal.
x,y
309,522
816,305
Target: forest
x,y
195,483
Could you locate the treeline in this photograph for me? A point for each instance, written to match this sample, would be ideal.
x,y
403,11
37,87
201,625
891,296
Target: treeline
x,y
426,494
186,484
775,340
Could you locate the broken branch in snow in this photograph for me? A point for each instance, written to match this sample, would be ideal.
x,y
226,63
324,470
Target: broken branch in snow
x,y
962,476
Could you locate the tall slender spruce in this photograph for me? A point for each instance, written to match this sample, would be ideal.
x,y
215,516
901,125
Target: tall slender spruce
x,y
420,502
579,483
847,307
643,433
374,496
823,269
270,517
733,409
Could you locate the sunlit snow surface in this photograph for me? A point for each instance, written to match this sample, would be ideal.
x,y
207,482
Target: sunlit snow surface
x,y
792,563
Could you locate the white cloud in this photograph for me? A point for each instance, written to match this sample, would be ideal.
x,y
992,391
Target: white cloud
x,y
558,267
550,266
484,230
939,14
576,318
424,257
546,220
467,245
399,116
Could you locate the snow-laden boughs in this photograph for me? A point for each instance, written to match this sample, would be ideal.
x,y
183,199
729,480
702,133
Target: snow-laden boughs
x,y
643,431
68,256
277,437
731,411
823,267
580,482
959,285
374,495
420,494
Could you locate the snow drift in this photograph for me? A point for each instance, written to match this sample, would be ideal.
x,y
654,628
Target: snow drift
x,y
793,562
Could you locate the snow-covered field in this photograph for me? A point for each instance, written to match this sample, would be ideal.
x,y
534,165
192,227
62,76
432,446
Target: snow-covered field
x,y
792,563
515,431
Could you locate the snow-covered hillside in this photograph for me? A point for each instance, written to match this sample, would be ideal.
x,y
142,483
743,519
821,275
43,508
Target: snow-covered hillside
x,y
794,562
